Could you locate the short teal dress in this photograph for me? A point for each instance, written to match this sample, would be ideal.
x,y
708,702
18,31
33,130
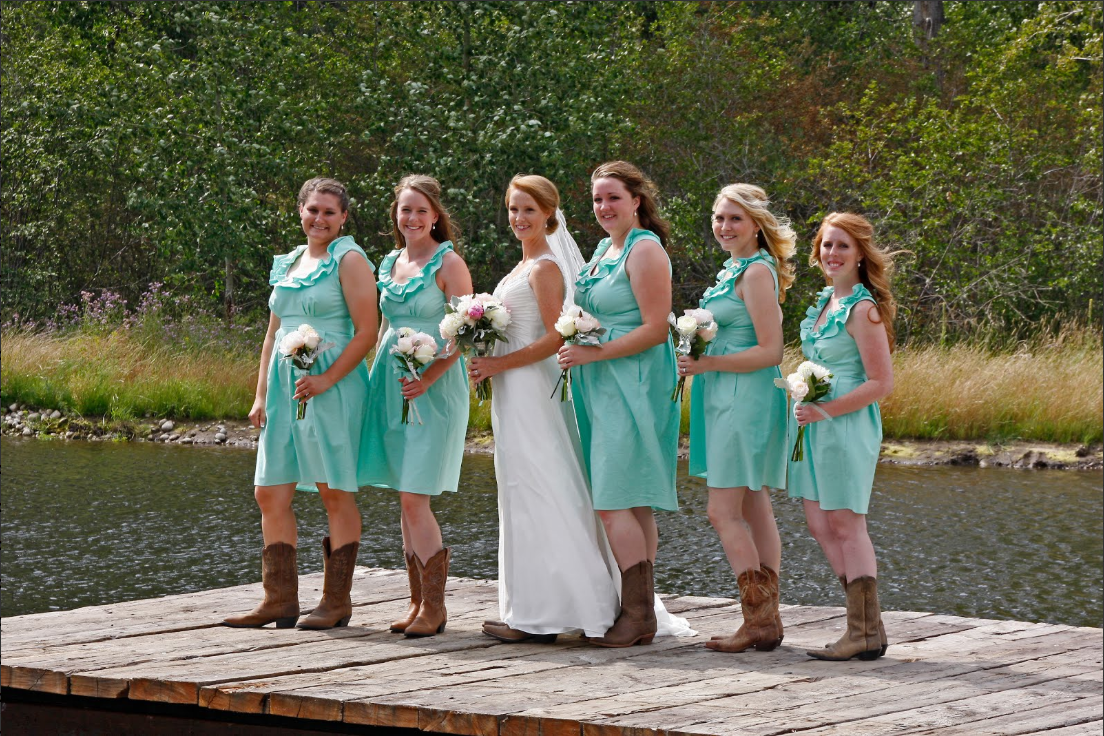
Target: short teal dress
x,y
323,446
415,458
840,455
737,420
628,424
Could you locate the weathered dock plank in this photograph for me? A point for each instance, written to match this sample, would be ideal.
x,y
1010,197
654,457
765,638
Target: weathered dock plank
x,y
943,674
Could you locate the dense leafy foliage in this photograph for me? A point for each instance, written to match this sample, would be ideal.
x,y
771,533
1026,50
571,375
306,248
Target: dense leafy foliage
x,y
165,142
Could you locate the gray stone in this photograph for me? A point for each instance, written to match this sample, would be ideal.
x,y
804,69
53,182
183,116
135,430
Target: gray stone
x,y
55,414
174,437
167,426
13,407
32,417
220,436
27,431
187,441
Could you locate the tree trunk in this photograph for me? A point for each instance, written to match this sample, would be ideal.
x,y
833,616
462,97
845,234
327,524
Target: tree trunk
x,y
927,19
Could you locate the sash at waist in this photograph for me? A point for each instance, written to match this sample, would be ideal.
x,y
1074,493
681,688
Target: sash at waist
x,y
325,326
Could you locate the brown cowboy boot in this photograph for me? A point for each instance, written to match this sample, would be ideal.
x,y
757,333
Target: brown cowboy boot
x,y
280,577
776,603
636,624
881,628
414,575
432,615
758,629
336,607
499,630
863,616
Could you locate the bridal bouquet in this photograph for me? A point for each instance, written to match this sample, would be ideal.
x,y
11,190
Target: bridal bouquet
x,y
693,331
808,384
576,327
476,321
302,347
413,351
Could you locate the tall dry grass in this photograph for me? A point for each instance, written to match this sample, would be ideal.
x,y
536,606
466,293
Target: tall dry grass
x,y
1049,389
119,376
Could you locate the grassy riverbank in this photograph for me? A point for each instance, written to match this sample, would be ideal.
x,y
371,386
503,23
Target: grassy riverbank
x,y
1050,389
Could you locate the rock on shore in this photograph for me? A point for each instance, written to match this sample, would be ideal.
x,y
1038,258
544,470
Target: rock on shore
x,y
31,422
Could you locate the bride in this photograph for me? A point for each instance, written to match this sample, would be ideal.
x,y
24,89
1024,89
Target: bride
x,y
556,573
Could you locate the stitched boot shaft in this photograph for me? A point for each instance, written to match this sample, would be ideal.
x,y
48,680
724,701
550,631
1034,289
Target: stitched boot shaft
x,y
414,575
776,601
280,578
759,629
881,627
336,607
636,624
432,615
863,617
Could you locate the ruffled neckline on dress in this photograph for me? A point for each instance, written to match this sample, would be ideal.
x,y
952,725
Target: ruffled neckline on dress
x,y
835,320
416,282
282,264
596,269
733,269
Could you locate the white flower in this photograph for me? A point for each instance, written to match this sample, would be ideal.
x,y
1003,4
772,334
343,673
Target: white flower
x,y
703,316
499,317
587,323
798,387
806,369
686,325
292,342
820,372
451,325
312,339
405,344
565,325
708,332
573,310
406,332
425,353
305,330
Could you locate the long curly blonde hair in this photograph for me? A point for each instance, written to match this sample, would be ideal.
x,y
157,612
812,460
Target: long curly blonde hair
x,y
775,235
875,268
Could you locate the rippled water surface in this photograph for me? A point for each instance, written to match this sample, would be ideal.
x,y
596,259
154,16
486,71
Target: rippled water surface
x,y
93,523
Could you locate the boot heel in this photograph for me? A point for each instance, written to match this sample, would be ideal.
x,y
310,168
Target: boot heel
x,y
646,639
286,622
441,628
343,622
870,655
544,638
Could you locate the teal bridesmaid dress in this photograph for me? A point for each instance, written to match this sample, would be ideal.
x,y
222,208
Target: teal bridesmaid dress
x,y
737,420
627,422
323,446
416,458
840,455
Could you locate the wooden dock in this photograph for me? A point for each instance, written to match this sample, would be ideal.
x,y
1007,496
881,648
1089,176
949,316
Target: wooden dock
x,y
943,675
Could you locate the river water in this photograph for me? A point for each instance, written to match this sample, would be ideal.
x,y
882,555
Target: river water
x,y
94,523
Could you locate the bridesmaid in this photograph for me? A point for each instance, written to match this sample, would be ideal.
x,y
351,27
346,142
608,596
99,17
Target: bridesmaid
x,y
628,424
422,459
850,332
737,415
327,284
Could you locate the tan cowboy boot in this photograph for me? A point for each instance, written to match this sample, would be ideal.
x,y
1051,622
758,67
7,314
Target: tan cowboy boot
x,y
414,575
776,603
280,577
863,616
759,629
636,624
336,607
881,628
499,630
432,615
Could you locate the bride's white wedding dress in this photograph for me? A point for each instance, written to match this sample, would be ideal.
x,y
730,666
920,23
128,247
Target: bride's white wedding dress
x,y
556,573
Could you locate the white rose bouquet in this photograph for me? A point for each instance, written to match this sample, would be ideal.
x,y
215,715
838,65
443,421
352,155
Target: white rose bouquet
x,y
693,331
808,384
577,328
302,347
413,351
476,322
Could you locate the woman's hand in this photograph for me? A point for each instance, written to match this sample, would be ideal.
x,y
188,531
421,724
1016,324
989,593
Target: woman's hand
x,y
688,366
257,415
808,414
413,389
310,386
480,369
570,355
